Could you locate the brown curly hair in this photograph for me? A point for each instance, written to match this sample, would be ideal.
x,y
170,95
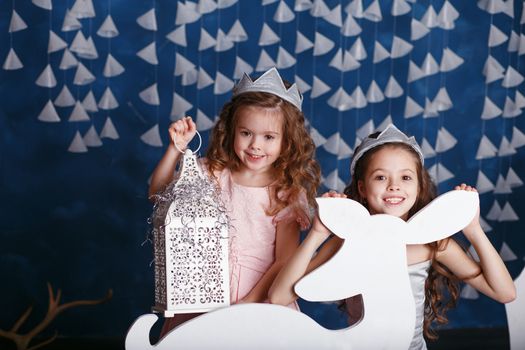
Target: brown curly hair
x,y
441,286
295,170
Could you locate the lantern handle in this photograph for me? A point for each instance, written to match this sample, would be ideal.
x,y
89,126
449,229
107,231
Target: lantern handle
x,y
198,147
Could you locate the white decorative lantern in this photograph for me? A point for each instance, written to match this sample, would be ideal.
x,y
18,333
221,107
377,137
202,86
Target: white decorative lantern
x,y
190,244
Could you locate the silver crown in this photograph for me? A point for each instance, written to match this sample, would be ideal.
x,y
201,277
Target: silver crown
x,y
270,82
391,134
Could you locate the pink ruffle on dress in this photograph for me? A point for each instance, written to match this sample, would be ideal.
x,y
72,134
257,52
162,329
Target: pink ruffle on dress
x,y
251,237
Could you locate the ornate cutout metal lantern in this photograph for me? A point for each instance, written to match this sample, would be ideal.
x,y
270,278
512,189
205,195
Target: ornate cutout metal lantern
x,y
190,238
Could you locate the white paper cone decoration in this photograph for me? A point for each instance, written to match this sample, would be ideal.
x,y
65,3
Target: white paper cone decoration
x,y
318,139
486,149
206,6
400,48
492,70
91,138
508,214
55,43
90,52
430,110
237,33
512,78
365,130
89,103
393,89
374,93
337,146
79,44
355,8
189,77
469,293
302,43
203,122
223,43
150,95
47,78
109,131
303,86
359,98
285,59
494,212
182,65
513,179
447,16
429,66
510,110
108,29
149,54
450,61
186,13
180,107
83,9
490,110
206,40
68,60
412,109
70,23
64,98
373,12
380,53
152,137
12,62
78,114
518,138
430,19
387,121
426,148
442,100
82,75
506,253
265,62
48,113
350,27
17,23
496,36
445,141
77,145
108,100
334,182
335,16
491,6
319,87
519,100
178,36
414,72
483,183
112,67
283,13
521,49
358,50
302,5
501,186
322,45
203,79
417,30
514,42
340,100
400,7
241,67
45,4
148,20
268,36
505,148
222,84
319,9
439,173
337,60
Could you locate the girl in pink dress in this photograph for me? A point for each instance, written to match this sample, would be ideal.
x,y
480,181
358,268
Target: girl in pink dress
x,y
262,157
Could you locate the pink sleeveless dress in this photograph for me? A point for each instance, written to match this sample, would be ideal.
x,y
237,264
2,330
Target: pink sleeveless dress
x,y
251,237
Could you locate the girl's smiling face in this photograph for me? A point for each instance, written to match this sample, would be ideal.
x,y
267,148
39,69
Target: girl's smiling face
x,y
390,184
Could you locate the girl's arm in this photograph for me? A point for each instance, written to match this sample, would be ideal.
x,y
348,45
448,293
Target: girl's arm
x,y
181,132
282,291
286,242
490,277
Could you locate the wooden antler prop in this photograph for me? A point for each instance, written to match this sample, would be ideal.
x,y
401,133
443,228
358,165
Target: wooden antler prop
x,y
22,340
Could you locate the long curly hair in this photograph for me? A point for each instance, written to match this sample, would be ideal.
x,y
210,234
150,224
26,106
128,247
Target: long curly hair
x,y
295,170
441,286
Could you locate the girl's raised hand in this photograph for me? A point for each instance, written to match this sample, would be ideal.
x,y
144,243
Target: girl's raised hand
x,y
182,132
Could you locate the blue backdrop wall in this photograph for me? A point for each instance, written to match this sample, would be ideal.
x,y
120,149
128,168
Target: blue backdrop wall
x,y
88,89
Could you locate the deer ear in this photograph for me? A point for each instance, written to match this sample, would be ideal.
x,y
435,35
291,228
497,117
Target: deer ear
x,y
443,217
342,215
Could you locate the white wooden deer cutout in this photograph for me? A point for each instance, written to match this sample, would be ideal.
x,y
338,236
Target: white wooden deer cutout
x,y
371,262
